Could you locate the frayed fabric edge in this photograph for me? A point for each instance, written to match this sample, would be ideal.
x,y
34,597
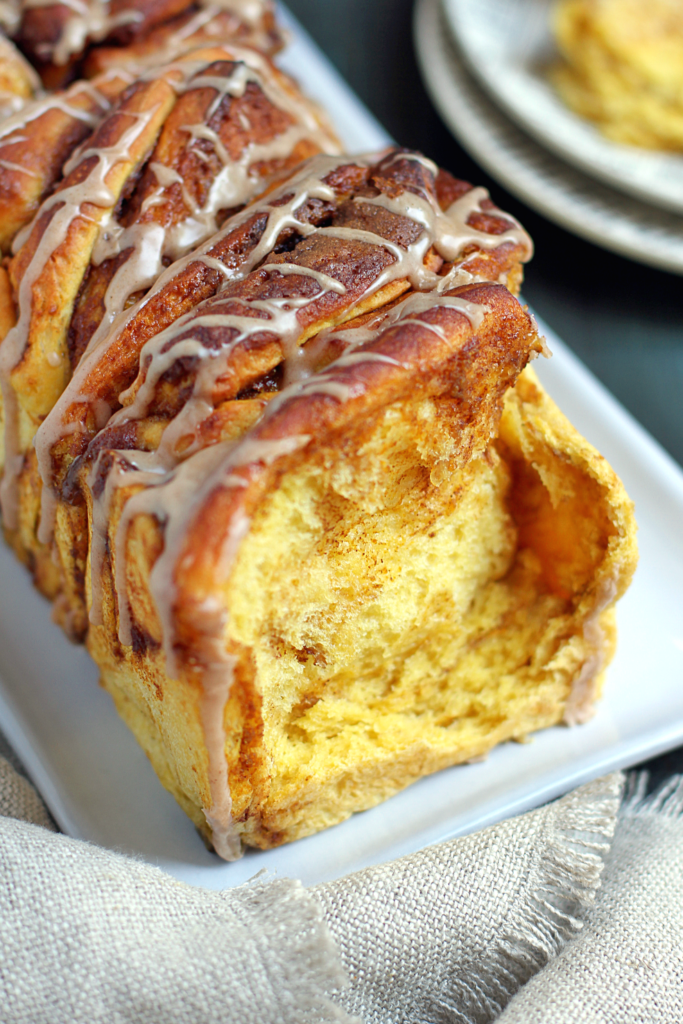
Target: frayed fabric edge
x,y
310,961
20,800
570,867
666,801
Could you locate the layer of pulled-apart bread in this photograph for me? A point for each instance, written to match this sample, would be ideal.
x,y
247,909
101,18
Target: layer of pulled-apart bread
x,y
63,41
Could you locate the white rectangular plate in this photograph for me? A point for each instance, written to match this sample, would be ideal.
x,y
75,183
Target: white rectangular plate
x,y
100,786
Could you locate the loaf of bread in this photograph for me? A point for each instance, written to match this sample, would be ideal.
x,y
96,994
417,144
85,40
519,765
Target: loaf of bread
x,y
272,447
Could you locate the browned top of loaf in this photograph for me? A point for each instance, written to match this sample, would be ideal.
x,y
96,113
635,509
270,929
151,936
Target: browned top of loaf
x,y
43,136
253,121
183,33
183,148
197,288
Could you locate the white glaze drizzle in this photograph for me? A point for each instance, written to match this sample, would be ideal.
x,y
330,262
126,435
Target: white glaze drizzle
x,y
234,185
58,101
249,11
9,166
451,231
406,311
10,130
304,185
209,21
149,242
280,320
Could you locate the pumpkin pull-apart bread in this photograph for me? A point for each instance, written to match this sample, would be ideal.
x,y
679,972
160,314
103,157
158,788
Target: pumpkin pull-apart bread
x,y
322,530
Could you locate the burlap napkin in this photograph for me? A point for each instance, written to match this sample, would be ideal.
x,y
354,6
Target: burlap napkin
x,y
446,935
626,966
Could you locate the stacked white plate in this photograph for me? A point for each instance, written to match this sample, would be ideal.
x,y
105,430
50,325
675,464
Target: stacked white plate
x,y
484,62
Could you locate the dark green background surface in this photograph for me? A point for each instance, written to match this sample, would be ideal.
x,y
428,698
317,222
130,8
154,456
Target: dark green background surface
x,y
624,320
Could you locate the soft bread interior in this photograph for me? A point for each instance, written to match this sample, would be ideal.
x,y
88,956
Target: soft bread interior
x,y
393,614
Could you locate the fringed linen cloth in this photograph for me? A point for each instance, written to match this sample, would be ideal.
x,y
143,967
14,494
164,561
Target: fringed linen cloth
x,y
571,913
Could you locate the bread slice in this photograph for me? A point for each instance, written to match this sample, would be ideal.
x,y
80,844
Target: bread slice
x,y
410,560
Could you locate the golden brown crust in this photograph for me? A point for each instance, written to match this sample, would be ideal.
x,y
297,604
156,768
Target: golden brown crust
x,y
355,263
239,122
54,290
44,136
66,281
55,37
18,80
59,281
